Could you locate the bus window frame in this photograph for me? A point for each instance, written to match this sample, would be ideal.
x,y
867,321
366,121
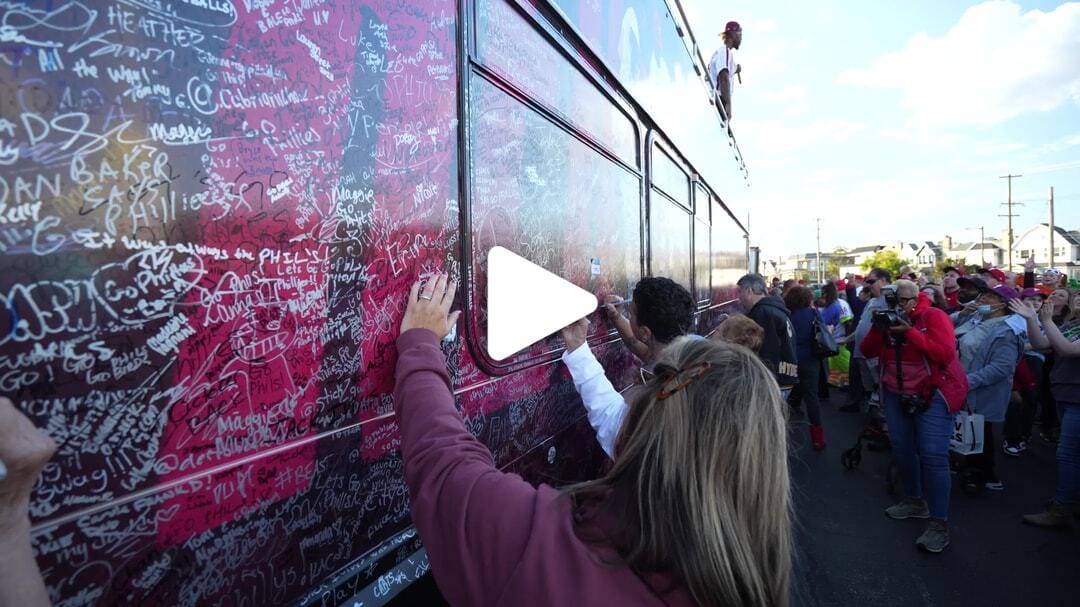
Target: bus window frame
x,y
577,54
657,143
702,195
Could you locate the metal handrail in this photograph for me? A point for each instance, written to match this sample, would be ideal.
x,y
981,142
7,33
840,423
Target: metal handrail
x,y
703,68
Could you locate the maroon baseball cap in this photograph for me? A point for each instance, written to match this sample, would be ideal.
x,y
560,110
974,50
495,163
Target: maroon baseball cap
x,y
948,269
732,26
1005,292
1033,292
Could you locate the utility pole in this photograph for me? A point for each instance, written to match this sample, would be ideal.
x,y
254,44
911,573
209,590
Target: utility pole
x,y
818,220
1051,226
1010,215
982,245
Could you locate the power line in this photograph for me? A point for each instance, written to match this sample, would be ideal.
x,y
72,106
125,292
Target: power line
x,y
1061,166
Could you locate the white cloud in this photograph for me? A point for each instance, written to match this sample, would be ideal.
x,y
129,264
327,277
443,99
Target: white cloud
x,y
997,62
871,211
792,99
770,137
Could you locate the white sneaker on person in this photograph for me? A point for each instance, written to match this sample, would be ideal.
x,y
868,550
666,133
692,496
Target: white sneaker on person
x,y
1012,450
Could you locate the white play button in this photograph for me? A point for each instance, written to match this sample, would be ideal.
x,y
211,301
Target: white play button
x,y
526,303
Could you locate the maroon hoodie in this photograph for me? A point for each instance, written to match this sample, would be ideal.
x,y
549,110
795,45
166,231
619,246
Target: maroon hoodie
x,y
491,537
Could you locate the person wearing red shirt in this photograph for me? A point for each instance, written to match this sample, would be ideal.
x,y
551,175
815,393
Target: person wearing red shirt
x,y
919,349
952,289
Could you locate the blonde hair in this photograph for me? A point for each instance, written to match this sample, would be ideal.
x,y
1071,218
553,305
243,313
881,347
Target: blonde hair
x,y
740,329
700,484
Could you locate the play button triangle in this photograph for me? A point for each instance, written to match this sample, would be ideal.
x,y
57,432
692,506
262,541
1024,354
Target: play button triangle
x,y
526,303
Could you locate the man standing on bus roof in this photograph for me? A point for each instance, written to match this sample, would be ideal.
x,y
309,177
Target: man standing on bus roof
x,y
722,66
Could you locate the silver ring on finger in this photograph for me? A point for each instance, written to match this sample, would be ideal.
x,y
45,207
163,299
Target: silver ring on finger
x,y
427,298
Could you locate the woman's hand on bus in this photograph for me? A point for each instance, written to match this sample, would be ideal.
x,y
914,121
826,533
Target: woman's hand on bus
x,y
24,451
429,306
575,334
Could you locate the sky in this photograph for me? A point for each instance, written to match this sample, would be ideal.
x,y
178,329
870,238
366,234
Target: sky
x,y
894,120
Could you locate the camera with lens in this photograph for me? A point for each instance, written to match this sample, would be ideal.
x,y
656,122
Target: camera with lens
x,y
891,315
913,405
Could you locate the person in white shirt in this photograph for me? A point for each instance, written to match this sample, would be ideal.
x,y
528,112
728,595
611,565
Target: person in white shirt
x,y
660,311
722,66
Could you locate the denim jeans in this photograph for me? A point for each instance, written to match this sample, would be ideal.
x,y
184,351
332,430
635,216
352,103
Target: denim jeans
x,y
920,446
1048,412
1068,455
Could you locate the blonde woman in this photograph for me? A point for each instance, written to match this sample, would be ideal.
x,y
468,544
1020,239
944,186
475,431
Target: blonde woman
x,y
695,510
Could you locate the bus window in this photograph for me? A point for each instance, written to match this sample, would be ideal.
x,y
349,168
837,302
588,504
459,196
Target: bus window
x,y
541,192
666,175
702,249
669,239
515,49
728,249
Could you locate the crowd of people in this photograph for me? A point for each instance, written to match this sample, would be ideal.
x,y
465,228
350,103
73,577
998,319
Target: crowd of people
x,y
695,504
1002,348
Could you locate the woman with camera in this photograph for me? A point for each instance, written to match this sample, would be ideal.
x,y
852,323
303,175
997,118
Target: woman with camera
x,y
922,386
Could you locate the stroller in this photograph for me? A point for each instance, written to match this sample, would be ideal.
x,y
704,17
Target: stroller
x,y
875,435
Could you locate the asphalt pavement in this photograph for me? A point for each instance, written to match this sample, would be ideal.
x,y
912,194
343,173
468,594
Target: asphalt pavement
x,y
850,553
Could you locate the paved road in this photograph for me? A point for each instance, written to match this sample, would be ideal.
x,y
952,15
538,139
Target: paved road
x,y
851,554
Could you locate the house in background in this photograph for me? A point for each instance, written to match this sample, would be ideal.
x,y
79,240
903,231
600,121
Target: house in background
x,y
980,253
906,250
853,259
803,266
1036,241
929,254
988,252
924,256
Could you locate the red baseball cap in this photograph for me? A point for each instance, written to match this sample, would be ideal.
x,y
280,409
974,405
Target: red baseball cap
x,y
948,269
996,273
732,26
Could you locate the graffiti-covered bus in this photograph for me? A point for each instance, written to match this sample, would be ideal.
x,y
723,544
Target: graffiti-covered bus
x,y
211,212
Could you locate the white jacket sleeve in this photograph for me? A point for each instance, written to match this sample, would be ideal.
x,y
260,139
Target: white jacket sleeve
x,y
604,404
